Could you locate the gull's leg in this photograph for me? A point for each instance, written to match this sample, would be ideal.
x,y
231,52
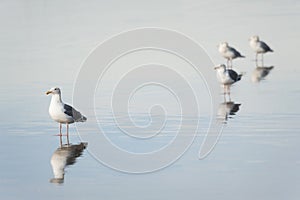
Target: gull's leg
x,y
227,63
60,135
262,59
68,134
60,129
225,91
256,59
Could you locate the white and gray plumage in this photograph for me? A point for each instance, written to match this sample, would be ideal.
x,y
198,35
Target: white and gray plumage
x,y
227,77
229,53
63,113
259,47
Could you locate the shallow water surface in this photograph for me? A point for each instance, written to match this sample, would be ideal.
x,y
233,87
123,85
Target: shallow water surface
x,y
256,157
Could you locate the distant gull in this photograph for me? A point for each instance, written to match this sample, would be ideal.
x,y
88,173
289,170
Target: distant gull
x,y
227,77
229,52
259,47
63,113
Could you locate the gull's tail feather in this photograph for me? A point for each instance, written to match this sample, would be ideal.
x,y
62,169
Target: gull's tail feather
x,y
82,119
77,116
240,75
239,55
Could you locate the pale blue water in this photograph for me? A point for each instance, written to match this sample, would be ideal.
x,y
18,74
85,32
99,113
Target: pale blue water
x,y
43,45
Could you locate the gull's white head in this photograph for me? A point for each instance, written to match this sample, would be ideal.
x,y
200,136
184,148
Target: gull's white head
x,y
54,90
223,44
221,66
254,38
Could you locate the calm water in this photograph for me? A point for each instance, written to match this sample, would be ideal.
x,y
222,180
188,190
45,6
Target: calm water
x,y
257,156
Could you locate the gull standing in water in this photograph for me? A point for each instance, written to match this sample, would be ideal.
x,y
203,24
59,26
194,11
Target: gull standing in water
x,y
227,77
63,113
259,47
229,53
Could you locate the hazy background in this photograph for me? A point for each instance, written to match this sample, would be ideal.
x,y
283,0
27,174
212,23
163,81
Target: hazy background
x,y
44,43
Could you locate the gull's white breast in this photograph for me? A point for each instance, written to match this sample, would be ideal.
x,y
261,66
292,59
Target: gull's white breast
x,y
256,47
224,78
56,111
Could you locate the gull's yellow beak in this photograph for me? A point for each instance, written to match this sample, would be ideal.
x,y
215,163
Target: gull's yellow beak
x,y
48,92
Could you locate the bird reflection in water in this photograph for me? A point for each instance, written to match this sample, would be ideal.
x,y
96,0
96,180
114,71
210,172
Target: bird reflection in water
x,y
227,109
64,156
260,73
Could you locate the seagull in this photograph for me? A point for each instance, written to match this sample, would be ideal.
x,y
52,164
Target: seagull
x,y
259,47
227,77
229,52
63,113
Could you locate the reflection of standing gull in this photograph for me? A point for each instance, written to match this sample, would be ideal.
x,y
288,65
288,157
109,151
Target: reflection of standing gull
x,y
260,73
229,53
259,47
226,109
63,113
62,157
227,77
